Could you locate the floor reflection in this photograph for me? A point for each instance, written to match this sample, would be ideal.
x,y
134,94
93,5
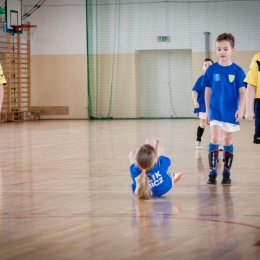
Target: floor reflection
x,y
154,215
216,204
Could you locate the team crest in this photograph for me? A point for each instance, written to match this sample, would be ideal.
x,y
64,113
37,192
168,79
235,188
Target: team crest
x,y
217,77
231,78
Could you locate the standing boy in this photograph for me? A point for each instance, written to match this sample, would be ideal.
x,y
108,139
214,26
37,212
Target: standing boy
x,y
2,83
225,99
198,94
253,95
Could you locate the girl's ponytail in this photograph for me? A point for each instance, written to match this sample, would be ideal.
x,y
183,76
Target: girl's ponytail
x,y
143,190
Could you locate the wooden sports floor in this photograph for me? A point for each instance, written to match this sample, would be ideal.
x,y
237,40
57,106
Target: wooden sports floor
x,y
65,193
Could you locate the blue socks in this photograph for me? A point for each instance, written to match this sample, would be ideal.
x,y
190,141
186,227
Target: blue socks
x,y
228,148
213,147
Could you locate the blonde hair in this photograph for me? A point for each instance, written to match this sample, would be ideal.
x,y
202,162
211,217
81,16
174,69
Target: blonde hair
x,y
145,159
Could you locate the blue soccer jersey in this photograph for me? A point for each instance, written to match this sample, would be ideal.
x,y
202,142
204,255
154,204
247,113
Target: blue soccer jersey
x,y
224,82
201,93
160,182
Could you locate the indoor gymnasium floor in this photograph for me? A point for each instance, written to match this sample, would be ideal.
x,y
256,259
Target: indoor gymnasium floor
x,y
65,193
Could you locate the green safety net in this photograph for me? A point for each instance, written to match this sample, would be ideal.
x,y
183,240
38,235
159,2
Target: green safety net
x,y
142,55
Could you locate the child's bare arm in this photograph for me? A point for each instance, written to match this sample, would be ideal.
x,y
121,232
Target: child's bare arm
x,y
207,100
132,157
195,99
250,97
242,99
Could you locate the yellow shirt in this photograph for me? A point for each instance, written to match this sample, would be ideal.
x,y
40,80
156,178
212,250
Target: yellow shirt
x,y
2,77
253,74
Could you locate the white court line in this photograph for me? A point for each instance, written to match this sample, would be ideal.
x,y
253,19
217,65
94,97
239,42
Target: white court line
x,y
80,141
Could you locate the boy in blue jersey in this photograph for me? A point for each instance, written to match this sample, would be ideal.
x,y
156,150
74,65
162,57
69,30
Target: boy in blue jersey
x,y
225,100
198,93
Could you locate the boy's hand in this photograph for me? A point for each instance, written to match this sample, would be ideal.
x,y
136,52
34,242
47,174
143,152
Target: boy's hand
x,y
196,105
249,116
239,115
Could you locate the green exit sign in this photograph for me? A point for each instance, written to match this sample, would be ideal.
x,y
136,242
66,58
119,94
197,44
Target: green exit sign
x,y
163,38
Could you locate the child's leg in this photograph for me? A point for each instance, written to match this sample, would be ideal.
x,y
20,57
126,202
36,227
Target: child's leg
x,y
202,123
257,122
132,156
215,136
214,153
200,130
157,144
228,155
227,138
152,141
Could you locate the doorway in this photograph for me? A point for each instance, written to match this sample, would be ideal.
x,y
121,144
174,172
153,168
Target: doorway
x,y
165,83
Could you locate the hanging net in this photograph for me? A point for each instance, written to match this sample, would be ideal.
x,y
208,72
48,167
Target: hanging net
x,y
27,31
143,57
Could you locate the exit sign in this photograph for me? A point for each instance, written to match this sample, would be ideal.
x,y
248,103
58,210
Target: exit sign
x,y
163,38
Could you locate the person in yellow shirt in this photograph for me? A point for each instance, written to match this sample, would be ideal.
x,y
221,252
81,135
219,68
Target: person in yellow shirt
x,y
253,95
2,83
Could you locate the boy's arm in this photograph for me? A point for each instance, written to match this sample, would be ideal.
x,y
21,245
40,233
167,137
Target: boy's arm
x,y
241,105
250,97
207,100
195,99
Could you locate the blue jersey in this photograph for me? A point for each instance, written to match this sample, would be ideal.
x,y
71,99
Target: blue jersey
x,y
201,95
160,182
224,82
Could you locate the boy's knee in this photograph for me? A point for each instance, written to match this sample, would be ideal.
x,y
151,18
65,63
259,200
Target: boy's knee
x,y
152,141
227,140
215,140
131,156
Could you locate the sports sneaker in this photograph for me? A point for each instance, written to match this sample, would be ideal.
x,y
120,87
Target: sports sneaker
x,y
175,176
198,145
226,177
212,178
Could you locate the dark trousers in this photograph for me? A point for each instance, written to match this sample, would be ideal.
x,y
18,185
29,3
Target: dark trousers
x,y
257,121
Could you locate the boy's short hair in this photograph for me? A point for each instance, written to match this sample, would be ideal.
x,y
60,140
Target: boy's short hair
x,y
208,59
226,37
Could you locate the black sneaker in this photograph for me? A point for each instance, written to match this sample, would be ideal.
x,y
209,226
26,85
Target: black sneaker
x,y
212,178
226,177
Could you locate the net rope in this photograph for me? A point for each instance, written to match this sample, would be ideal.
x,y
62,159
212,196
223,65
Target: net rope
x,y
28,33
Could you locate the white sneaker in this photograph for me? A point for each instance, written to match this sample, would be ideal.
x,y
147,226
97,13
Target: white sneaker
x,y
177,176
198,145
